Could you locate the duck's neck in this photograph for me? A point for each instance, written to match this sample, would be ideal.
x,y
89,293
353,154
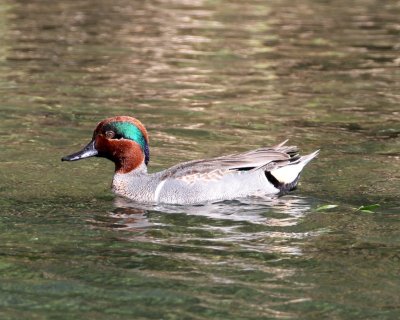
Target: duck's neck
x,y
129,168
128,156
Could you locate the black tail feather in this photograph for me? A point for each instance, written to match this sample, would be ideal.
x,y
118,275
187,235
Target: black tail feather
x,y
283,187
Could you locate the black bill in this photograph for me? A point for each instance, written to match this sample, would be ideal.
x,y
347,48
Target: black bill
x,y
86,152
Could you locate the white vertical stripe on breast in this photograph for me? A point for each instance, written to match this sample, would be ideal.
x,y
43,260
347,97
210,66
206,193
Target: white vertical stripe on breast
x,y
158,190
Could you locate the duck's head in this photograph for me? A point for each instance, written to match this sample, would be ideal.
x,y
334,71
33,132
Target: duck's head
x,y
121,139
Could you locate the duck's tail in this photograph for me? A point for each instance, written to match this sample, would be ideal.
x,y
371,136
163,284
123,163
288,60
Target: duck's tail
x,y
285,178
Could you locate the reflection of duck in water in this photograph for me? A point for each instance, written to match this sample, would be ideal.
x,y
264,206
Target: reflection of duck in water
x,y
124,140
285,211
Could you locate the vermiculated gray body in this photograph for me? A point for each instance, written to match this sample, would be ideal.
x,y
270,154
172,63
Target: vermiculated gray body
x,y
223,178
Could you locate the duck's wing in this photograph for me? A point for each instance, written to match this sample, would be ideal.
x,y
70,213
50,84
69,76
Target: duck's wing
x,y
269,158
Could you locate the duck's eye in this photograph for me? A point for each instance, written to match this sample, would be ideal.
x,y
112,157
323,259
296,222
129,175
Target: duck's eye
x,y
110,134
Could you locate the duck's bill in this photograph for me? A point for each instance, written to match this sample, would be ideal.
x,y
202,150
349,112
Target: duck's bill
x,y
86,152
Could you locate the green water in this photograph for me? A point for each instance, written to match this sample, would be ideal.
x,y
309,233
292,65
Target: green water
x,y
206,78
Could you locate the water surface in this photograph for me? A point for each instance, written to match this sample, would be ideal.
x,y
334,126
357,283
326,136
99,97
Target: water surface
x,y
206,78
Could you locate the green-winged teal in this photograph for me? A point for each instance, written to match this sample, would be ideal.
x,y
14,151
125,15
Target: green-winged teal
x,y
260,172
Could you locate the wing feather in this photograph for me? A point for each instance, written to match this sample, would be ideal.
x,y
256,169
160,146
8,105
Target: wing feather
x,y
268,158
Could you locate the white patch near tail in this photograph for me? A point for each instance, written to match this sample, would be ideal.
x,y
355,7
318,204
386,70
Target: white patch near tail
x,y
289,173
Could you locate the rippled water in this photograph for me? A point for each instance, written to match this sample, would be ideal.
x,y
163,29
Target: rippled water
x,y
206,78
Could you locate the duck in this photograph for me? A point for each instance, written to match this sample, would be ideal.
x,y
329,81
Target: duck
x,y
266,171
